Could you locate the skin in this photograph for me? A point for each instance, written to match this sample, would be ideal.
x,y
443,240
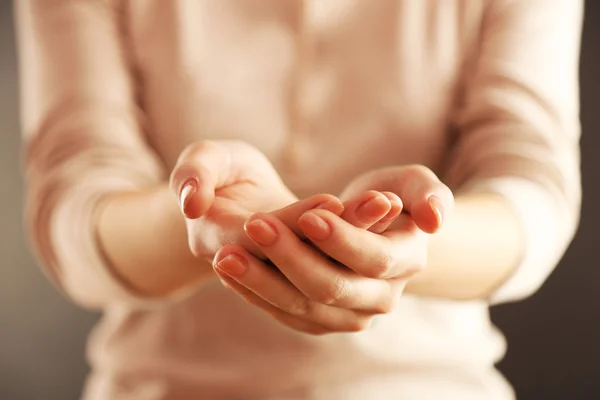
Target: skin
x,y
336,267
169,253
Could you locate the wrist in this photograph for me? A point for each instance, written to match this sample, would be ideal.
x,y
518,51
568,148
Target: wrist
x,y
144,240
181,269
474,252
165,206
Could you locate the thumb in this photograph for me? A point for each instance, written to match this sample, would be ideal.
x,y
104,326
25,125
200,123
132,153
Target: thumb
x,y
202,168
424,196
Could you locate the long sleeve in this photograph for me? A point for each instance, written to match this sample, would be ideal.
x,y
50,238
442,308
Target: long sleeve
x,y
83,138
518,128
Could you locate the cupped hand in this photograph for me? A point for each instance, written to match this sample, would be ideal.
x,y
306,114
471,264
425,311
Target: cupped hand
x,y
220,184
348,274
425,198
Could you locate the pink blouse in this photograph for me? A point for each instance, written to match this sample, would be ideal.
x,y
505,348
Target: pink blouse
x,y
483,92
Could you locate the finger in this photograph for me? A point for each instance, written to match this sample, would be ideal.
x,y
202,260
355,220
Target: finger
x,y
290,214
366,209
367,253
206,166
262,279
290,321
271,286
424,196
200,169
390,217
317,277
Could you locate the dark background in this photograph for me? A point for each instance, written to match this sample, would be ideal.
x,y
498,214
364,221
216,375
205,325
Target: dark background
x,y
553,337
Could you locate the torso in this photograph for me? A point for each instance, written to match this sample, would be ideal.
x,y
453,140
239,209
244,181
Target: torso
x,y
327,89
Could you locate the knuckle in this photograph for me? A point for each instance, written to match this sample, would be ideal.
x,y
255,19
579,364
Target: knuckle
x,y
382,267
334,293
188,160
301,306
195,151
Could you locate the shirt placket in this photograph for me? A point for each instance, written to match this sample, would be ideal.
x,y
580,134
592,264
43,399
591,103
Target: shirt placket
x,y
297,149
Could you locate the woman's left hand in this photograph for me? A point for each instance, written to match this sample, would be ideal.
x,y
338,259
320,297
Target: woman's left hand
x,y
353,274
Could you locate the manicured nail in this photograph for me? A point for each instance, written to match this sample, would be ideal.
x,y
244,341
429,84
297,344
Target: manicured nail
x,y
187,191
261,232
372,208
314,226
395,206
391,215
438,209
233,265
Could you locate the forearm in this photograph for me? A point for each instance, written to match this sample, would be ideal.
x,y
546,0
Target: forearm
x,y
144,239
474,253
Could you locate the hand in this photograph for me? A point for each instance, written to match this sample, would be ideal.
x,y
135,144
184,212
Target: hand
x,y
221,184
356,275
425,198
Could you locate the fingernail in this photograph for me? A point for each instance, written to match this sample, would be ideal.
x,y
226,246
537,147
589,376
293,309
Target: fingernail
x,y
233,265
187,191
395,206
438,209
372,207
261,232
314,226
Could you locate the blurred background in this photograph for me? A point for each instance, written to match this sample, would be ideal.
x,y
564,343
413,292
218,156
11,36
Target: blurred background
x,y
553,337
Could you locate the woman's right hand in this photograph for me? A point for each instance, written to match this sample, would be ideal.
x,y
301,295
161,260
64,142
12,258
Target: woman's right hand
x,y
220,184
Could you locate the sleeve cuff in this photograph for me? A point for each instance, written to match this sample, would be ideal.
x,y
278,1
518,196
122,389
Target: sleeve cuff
x,y
85,274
